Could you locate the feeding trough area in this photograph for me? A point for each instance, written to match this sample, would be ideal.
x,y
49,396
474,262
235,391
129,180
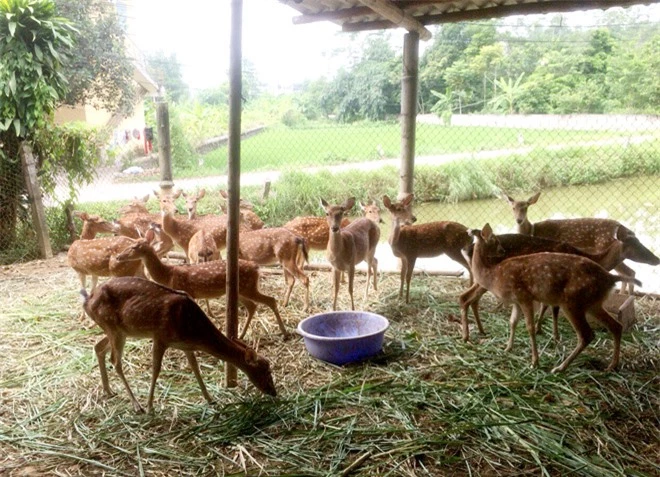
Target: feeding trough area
x,y
342,337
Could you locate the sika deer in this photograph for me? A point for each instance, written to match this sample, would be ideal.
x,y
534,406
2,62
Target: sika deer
x,y
94,224
586,234
277,245
313,229
576,284
137,308
515,245
349,246
252,220
136,206
191,202
203,280
409,242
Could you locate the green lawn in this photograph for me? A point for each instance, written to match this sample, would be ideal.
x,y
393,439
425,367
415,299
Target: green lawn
x,y
281,148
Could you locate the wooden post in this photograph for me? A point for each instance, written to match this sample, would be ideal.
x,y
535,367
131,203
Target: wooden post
x,y
164,145
233,178
34,196
408,112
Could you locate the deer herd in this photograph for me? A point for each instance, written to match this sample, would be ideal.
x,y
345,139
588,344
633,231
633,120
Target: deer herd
x,y
562,264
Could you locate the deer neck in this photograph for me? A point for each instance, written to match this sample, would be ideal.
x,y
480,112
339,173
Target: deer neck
x,y
526,228
481,268
159,271
395,233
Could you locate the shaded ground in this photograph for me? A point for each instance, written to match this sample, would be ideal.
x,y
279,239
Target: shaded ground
x,y
428,405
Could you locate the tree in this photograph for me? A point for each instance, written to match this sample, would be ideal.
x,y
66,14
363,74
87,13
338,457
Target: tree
x,y
509,92
100,70
166,71
34,46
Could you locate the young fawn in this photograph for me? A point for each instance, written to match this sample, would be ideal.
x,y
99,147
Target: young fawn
x,y
138,308
203,280
578,285
409,242
349,246
514,245
585,233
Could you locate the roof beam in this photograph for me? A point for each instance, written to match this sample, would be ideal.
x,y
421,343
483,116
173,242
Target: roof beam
x,y
330,15
497,11
398,17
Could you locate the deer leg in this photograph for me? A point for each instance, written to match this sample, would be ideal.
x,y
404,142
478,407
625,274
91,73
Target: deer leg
x,y
192,361
117,351
95,280
374,265
513,322
555,323
528,311
251,309
101,349
470,298
351,277
625,270
584,335
157,352
541,319
271,303
208,308
369,271
290,281
614,328
335,287
404,271
409,272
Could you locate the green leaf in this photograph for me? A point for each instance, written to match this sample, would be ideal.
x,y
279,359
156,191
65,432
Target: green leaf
x,y
12,28
38,52
5,125
17,126
12,83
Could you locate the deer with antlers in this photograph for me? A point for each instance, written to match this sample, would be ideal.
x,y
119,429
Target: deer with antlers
x,y
349,246
138,308
578,285
410,242
586,234
203,280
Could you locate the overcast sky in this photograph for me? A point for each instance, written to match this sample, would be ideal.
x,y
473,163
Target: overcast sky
x,y
283,53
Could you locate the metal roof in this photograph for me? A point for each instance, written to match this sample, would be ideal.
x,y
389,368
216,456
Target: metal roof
x,y
415,15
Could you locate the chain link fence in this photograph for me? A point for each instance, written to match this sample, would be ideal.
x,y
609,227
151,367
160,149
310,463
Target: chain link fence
x,y
604,166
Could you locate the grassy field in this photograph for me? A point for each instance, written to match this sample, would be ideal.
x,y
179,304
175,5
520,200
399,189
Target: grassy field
x,y
281,148
430,404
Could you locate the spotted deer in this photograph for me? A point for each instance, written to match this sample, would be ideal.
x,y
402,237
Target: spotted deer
x,y
349,246
410,242
203,280
277,245
137,308
514,245
578,285
94,224
251,219
585,233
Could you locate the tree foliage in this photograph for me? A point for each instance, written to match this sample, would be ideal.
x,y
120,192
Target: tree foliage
x,y
166,71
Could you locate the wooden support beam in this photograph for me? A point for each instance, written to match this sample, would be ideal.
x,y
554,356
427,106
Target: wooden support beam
x,y
397,16
409,80
332,15
34,196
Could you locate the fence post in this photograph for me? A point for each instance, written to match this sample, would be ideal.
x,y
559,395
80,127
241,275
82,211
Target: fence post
x,y
408,111
35,198
164,146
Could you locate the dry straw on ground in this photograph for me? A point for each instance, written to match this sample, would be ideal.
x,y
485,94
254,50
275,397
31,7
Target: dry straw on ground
x,y
428,405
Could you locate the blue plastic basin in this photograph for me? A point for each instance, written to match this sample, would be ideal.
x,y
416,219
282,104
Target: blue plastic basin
x,y
342,337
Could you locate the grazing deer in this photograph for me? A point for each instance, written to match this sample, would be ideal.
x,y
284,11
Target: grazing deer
x,y
203,280
277,245
138,308
349,246
410,242
514,245
576,284
252,220
585,233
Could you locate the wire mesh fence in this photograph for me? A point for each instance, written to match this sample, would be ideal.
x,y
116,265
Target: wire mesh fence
x,y
584,166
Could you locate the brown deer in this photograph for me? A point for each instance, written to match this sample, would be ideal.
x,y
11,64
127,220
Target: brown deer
x,y
349,246
138,308
93,225
136,206
576,284
515,245
410,242
252,220
586,234
277,245
203,280
136,220
191,202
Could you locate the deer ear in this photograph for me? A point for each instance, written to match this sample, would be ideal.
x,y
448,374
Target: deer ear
x,y
149,235
177,194
157,194
324,204
387,202
251,356
145,199
223,194
508,198
534,198
350,202
486,232
407,200
201,193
